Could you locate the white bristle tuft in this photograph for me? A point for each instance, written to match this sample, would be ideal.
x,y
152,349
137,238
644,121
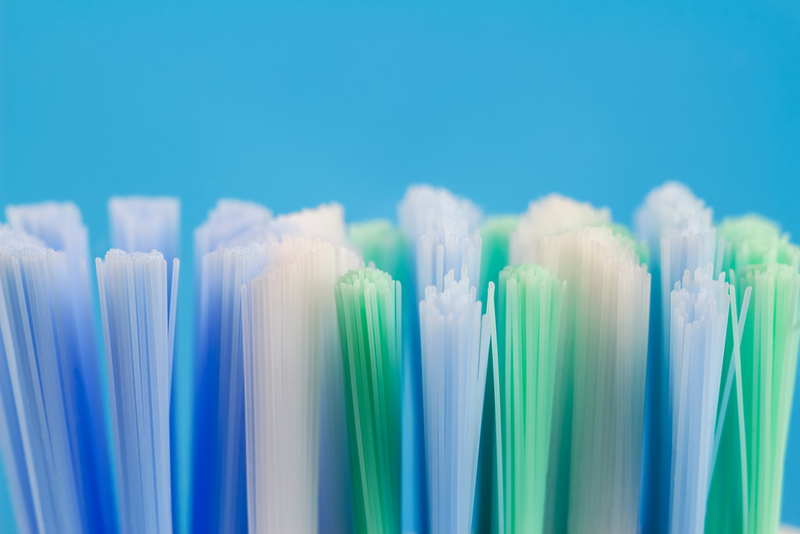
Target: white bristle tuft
x,y
138,327
551,215
699,308
290,342
455,349
443,230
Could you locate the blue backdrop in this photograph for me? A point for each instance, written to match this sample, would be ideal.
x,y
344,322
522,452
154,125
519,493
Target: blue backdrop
x,y
293,105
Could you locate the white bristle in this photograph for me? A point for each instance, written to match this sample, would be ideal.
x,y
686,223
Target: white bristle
x,y
551,215
244,234
138,327
220,348
325,222
677,228
443,231
600,375
671,206
58,276
37,432
58,225
144,224
290,342
230,224
455,349
698,321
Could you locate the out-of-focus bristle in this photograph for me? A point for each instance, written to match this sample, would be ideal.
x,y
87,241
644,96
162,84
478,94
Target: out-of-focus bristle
x,y
230,224
58,225
325,222
443,231
243,235
144,224
48,306
551,215
593,486
290,342
382,243
495,244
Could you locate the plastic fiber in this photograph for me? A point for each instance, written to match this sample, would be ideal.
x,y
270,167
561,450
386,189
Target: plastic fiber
x,y
596,445
529,318
139,333
233,246
698,310
144,224
441,230
368,305
748,477
51,428
291,350
383,244
455,349
677,227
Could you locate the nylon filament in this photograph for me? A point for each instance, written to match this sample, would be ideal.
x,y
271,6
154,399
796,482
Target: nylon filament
x,y
368,305
290,341
530,309
139,333
596,446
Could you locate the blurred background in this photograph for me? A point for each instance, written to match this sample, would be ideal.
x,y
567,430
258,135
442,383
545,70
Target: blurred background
x,y
294,104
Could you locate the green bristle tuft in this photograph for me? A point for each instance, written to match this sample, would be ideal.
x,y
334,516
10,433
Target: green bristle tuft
x,y
368,305
496,234
383,244
748,477
529,317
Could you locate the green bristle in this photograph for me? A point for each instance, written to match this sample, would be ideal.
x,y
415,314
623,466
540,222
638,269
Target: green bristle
x,y
530,305
496,233
368,305
754,240
381,243
748,477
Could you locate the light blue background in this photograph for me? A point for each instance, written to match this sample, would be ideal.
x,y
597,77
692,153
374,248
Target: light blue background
x,y
293,105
